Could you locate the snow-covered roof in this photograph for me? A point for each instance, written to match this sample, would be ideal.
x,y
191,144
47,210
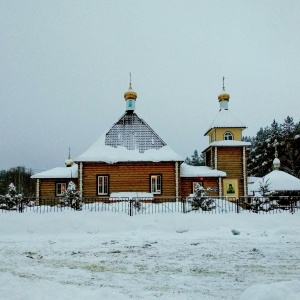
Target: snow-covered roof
x,y
252,179
279,181
199,171
226,119
228,143
129,139
59,172
99,152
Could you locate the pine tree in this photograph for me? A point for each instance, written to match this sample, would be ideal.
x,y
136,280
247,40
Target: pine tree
x,y
201,200
195,159
261,152
12,200
259,160
21,177
71,197
290,157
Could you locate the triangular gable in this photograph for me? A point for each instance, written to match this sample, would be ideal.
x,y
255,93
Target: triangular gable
x,y
133,133
226,119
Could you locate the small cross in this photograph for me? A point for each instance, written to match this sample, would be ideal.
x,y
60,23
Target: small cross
x,y
275,145
223,83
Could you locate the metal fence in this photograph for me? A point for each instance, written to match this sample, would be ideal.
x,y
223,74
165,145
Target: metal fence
x,y
136,206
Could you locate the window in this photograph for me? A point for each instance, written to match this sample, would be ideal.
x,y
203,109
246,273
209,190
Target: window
x,y
102,185
212,138
197,185
60,188
228,136
155,181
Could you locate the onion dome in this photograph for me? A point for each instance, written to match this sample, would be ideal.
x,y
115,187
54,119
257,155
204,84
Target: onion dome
x,y
130,94
276,163
69,162
130,98
223,98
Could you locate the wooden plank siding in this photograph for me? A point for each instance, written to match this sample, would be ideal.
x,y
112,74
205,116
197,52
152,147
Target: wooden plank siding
x,y
208,182
230,160
48,186
129,177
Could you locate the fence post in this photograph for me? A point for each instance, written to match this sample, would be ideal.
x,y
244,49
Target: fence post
x,y
237,202
183,201
291,205
130,208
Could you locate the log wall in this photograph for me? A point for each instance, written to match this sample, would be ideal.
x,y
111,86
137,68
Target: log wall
x,y
208,182
48,186
230,160
129,177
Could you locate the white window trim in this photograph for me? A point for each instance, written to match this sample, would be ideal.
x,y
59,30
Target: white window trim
x,y
195,184
62,190
102,178
156,184
227,134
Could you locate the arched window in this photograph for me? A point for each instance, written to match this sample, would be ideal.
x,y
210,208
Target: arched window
x,y
228,136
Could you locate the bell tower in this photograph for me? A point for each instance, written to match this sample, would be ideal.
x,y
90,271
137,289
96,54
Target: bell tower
x,y
226,151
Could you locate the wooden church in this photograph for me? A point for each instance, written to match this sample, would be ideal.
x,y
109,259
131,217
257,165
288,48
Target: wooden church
x,y
131,157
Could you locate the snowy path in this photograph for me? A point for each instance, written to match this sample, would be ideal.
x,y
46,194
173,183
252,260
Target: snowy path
x,y
148,259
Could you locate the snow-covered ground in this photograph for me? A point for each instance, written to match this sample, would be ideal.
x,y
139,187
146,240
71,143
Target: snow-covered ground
x,y
104,255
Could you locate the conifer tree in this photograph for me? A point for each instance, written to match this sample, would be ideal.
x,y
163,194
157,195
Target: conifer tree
x,y
261,152
12,200
71,197
291,143
21,178
195,159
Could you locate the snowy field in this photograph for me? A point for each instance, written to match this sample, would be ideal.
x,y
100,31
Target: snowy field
x,y
104,255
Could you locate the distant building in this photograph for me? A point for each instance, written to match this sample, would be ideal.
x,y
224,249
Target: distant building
x,y
131,157
276,181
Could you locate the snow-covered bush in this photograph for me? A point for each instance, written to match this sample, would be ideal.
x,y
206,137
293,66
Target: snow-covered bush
x,y
12,200
263,201
71,197
137,204
201,199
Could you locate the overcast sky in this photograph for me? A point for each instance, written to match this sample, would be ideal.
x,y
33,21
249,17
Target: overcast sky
x,y
64,68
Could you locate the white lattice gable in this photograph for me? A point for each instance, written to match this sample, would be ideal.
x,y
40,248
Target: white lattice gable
x,y
129,139
133,133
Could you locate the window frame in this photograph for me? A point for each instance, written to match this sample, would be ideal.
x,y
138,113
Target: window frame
x,y
228,134
157,183
105,191
61,184
194,185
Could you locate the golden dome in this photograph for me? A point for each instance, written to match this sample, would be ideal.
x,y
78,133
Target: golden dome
x,y
224,97
130,94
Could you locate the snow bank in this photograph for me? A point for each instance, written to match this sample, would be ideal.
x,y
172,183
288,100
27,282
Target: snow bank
x,y
23,290
69,222
288,290
104,255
